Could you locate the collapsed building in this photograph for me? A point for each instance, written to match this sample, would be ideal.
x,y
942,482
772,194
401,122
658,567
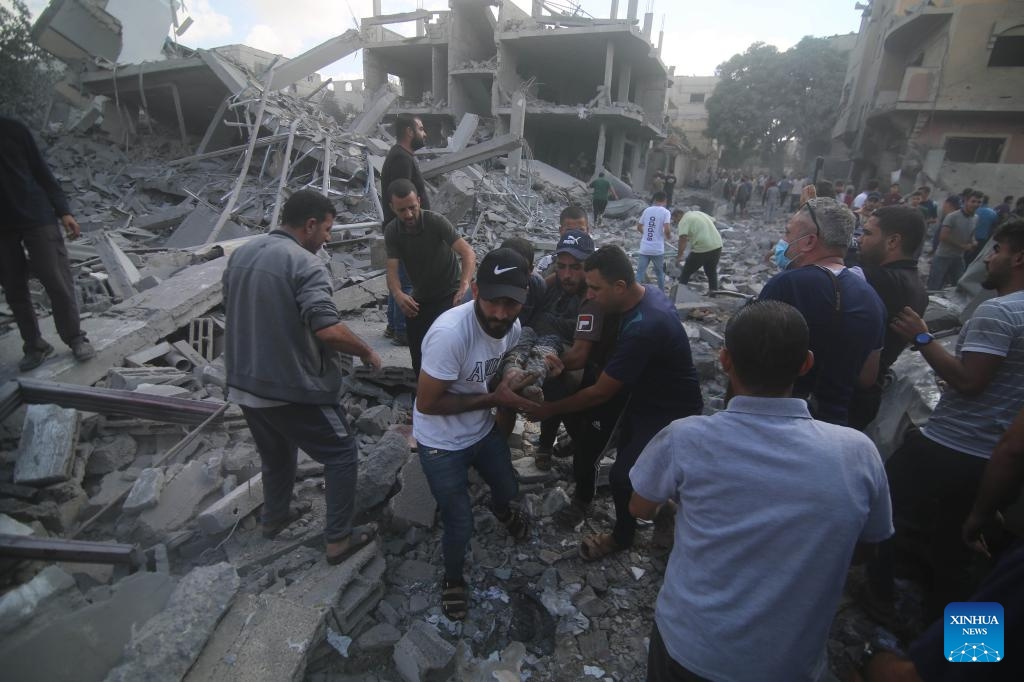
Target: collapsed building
x,y
933,91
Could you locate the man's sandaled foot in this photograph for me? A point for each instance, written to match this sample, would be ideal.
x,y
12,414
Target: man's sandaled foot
x,y
360,537
598,546
454,599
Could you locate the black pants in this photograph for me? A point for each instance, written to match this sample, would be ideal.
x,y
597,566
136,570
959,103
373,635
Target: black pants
x,y
634,435
933,489
418,326
661,667
707,260
555,388
322,432
599,206
590,432
49,263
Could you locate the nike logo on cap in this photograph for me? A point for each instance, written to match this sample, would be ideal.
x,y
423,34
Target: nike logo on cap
x,y
502,271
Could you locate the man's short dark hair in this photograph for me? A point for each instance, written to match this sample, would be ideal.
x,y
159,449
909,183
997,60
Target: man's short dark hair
x,y
767,341
677,214
612,262
825,188
400,189
524,247
924,189
402,123
659,196
975,194
872,185
917,193
601,174
906,221
571,212
306,204
1007,199
967,192
1012,234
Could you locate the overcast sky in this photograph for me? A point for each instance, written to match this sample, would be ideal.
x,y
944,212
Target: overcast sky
x,y
698,36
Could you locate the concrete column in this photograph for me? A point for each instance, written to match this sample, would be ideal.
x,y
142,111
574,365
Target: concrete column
x,y
661,41
618,152
538,8
439,73
631,9
634,162
625,75
609,65
421,28
517,126
376,8
602,139
615,10
648,24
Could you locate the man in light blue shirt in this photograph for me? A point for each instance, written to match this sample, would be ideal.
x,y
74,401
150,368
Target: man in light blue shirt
x,y
772,506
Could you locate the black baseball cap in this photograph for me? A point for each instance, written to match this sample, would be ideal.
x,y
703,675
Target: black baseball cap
x,y
503,273
576,243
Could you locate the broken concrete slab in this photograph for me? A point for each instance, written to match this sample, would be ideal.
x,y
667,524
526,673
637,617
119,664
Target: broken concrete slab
x,y
111,454
455,198
121,272
414,505
92,639
169,643
378,469
374,421
145,492
423,655
9,526
47,448
379,637
198,226
470,155
19,605
366,121
223,514
181,497
311,61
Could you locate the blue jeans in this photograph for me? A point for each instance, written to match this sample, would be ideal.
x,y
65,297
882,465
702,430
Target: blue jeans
x,y
447,473
659,270
396,318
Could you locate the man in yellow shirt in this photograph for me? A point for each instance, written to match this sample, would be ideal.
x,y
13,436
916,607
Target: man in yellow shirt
x,y
699,230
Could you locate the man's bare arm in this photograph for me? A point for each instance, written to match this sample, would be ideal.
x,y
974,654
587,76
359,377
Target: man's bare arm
x,y
433,397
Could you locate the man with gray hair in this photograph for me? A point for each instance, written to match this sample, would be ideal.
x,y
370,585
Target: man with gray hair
x,y
845,316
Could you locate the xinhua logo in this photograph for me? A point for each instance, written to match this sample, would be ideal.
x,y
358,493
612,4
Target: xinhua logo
x,y
973,632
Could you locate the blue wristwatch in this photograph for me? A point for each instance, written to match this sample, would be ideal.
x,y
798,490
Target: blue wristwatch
x,y
922,339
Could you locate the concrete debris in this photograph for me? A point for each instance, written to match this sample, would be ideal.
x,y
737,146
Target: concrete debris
x,y
47,448
145,492
226,512
18,605
423,655
414,504
378,468
181,497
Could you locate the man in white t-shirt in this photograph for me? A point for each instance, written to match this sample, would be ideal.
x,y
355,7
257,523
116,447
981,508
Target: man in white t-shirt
x,y
453,423
655,227
858,201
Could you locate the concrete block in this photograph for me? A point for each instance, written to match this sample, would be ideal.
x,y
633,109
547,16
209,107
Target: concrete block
x,y
168,644
145,491
181,498
375,420
47,449
378,469
382,636
20,604
165,390
414,505
194,230
9,526
112,486
131,378
85,644
111,454
422,655
239,503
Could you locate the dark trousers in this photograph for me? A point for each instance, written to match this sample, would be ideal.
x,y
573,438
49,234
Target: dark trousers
x,y
447,473
396,318
707,260
864,406
49,263
599,208
933,489
661,667
322,432
555,388
418,326
634,435
590,432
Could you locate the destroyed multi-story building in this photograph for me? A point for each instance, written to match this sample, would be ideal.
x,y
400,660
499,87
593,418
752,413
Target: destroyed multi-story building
x,y
933,90
687,113
594,87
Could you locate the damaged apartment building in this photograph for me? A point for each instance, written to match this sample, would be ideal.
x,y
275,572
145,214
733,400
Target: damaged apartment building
x,y
595,88
933,89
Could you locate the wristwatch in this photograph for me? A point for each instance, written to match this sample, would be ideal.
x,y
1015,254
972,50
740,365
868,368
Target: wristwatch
x,y
922,339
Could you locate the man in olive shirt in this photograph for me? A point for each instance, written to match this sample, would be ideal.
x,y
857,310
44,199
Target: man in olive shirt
x,y
602,188
426,244
699,229
956,238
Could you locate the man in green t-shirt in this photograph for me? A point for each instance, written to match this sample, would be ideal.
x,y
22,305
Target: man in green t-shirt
x,y
698,228
602,188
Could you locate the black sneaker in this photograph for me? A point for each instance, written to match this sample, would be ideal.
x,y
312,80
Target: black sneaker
x,y
34,357
82,350
400,339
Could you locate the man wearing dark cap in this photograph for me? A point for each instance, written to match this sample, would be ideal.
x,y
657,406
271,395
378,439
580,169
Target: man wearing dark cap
x,y
453,423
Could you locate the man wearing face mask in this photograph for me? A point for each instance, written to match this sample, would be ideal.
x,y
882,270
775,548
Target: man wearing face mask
x,y
845,316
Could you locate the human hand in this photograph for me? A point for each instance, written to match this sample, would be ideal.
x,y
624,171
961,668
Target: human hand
x,y
539,412
971,531
807,193
460,294
505,394
71,227
408,304
554,364
371,359
908,324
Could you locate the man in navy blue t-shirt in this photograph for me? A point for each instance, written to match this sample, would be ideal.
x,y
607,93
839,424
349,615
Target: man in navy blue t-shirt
x,y
652,361
845,315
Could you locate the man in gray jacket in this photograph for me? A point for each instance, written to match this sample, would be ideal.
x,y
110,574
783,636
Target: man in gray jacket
x,y
282,341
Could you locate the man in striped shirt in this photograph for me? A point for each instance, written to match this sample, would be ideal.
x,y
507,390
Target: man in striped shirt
x,y
934,476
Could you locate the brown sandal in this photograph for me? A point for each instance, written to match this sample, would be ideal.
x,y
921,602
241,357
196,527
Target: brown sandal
x,y
598,546
360,537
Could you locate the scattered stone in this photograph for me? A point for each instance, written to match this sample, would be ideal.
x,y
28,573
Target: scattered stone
x,y
379,637
20,604
414,505
9,526
145,491
413,571
375,420
554,501
593,671
339,643
418,603
422,655
223,514
597,580
111,454
181,497
594,645
169,643
47,450
637,572
378,469
527,471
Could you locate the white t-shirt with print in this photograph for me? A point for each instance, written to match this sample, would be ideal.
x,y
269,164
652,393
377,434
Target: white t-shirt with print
x,y
457,349
652,236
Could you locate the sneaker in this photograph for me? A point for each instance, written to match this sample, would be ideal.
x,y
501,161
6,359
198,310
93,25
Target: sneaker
x,y
542,458
389,332
33,358
400,339
82,350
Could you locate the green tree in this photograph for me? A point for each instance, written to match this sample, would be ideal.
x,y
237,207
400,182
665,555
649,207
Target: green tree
x,y
27,73
766,98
